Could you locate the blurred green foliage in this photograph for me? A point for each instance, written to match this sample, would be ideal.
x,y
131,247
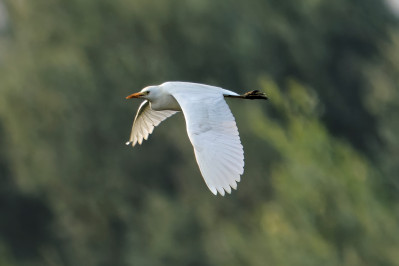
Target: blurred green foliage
x,y
321,178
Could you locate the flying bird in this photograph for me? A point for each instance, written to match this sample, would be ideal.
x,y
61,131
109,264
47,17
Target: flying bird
x,y
211,127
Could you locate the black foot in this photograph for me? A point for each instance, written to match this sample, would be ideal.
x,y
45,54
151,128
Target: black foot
x,y
252,95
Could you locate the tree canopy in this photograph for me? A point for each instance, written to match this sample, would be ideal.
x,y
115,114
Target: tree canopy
x,y
321,178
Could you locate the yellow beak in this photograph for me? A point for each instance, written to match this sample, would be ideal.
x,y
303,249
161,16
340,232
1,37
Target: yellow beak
x,y
135,95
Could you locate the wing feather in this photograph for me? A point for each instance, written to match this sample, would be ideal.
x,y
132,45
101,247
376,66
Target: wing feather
x,y
145,121
213,133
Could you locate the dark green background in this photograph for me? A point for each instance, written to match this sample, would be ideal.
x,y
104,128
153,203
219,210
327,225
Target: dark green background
x,y
322,155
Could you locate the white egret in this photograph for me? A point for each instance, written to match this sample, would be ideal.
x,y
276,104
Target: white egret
x,y
211,127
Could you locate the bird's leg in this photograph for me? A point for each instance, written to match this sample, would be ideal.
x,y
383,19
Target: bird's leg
x,y
251,95
254,95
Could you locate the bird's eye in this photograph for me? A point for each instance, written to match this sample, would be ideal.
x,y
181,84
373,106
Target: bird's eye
x,y
147,92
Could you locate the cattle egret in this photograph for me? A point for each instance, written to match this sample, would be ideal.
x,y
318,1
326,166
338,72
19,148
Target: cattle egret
x,y
211,127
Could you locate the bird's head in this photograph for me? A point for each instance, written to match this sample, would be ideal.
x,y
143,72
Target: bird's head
x,y
147,93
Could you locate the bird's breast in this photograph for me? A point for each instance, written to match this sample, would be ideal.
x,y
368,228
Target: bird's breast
x,y
165,103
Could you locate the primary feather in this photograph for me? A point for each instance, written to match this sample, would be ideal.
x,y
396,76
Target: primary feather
x,y
145,121
213,133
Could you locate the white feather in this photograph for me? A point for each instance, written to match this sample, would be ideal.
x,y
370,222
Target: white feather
x,y
145,121
213,132
211,128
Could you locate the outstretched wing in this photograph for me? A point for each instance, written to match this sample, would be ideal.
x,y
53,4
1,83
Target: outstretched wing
x,y
145,121
213,133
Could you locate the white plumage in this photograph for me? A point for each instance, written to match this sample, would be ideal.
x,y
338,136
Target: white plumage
x,y
145,121
211,127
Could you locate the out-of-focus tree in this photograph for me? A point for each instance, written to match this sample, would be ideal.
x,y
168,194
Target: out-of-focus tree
x,y
74,194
